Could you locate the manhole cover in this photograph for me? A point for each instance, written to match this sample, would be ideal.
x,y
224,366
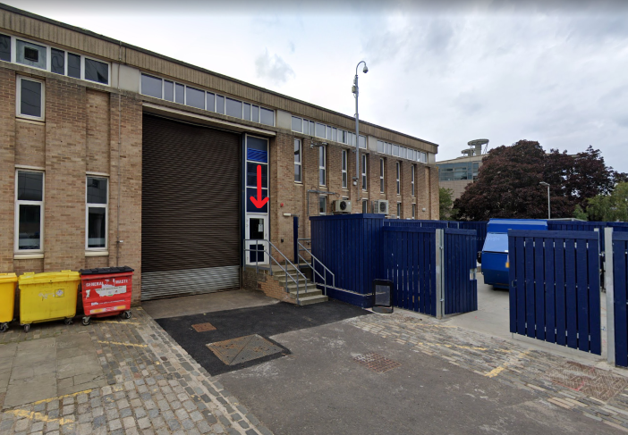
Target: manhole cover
x,y
376,362
203,327
243,349
600,384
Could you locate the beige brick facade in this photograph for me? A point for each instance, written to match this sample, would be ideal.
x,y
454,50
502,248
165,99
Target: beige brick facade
x,y
94,129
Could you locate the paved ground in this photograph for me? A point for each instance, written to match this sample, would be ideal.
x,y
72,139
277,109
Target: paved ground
x,y
143,382
132,377
220,301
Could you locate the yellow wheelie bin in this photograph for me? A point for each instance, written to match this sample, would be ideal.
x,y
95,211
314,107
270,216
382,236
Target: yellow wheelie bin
x,y
48,296
8,282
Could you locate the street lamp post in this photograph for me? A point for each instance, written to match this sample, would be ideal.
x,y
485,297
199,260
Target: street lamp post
x,y
549,213
356,91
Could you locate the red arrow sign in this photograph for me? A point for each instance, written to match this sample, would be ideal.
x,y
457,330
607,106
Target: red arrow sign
x,y
259,202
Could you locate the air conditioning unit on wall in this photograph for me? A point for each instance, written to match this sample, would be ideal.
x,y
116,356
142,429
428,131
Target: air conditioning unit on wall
x,y
381,206
342,206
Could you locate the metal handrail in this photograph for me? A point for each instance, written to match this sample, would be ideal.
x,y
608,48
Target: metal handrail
x,y
288,274
313,266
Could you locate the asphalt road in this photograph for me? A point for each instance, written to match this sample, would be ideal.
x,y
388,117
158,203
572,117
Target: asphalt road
x,y
318,388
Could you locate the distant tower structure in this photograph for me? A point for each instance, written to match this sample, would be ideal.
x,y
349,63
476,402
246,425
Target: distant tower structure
x,y
477,145
456,174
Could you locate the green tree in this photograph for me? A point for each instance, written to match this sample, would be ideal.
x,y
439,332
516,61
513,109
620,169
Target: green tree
x,y
446,203
508,183
610,208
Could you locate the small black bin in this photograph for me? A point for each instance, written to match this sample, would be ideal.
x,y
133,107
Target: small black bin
x,y
382,296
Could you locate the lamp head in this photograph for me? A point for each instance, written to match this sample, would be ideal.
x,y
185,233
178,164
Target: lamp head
x,y
365,69
543,183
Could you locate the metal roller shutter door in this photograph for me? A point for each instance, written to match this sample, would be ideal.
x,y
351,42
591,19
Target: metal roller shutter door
x,y
190,209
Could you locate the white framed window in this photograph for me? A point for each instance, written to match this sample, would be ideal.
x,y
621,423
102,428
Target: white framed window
x,y
381,175
398,178
364,171
298,164
322,204
365,206
362,141
398,210
29,208
96,200
96,71
413,211
412,169
30,100
344,169
297,124
322,166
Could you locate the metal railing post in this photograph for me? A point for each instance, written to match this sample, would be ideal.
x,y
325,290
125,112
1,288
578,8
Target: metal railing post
x,y
610,295
440,276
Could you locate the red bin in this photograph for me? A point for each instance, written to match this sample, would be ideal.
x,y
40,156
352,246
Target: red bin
x,y
106,292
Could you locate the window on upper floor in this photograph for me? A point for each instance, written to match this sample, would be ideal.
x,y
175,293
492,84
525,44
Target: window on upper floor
x,y
298,164
30,98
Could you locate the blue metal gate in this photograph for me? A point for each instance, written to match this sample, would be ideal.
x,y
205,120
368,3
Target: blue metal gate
x,y
409,259
459,269
555,287
620,292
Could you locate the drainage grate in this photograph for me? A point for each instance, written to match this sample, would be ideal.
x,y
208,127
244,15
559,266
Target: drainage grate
x,y
243,349
599,384
203,327
376,362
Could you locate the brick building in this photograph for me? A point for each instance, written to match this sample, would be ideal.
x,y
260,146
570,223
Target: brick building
x,y
114,155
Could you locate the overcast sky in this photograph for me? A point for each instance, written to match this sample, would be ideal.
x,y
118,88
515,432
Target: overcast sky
x,y
555,72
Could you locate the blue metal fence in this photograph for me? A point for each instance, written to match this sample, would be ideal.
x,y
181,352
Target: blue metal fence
x,y
555,287
479,227
409,260
620,292
362,247
350,246
459,283
587,226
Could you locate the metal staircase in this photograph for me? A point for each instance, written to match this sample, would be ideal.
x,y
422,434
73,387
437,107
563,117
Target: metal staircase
x,y
288,275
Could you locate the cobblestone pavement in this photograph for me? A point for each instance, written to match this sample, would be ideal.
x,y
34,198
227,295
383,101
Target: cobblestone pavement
x,y
153,387
599,394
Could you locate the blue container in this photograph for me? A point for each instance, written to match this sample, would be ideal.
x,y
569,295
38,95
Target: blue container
x,y
495,249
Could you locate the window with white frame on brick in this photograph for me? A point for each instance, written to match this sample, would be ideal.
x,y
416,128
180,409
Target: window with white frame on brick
x,y
322,204
30,98
413,211
398,178
29,206
344,169
398,210
364,171
412,169
365,206
298,164
381,175
322,166
96,198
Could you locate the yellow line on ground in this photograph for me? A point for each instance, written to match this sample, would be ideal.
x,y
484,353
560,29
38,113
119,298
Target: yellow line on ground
x,y
62,397
119,322
123,344
38,416
498,370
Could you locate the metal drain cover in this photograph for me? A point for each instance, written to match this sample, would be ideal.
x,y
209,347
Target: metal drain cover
x,y
203,327
376,362
600,384
243,349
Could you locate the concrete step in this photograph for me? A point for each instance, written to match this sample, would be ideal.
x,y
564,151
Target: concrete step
x,y
282,279
309,300
303,293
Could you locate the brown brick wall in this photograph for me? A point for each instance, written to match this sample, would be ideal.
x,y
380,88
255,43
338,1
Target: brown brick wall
x,y
7,168
30,143
294,195
98,131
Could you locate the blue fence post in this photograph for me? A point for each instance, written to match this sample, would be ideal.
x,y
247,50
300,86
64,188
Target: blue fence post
x,y
295,237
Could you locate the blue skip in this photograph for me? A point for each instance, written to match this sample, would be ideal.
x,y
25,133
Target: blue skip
x,y
495,250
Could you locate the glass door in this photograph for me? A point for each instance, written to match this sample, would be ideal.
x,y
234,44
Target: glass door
x,y
256,229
